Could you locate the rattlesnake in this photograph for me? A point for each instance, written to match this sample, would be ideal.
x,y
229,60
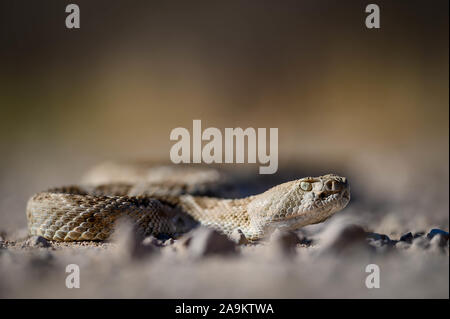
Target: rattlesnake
x,y
173,200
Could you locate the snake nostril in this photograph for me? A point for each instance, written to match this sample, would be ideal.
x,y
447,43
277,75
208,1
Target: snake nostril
x,y
321,195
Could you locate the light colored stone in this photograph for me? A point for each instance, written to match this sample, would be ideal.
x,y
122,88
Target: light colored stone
x,y
207,242
238,237
129,242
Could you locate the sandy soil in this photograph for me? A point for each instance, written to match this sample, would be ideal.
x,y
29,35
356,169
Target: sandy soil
x,y
328,260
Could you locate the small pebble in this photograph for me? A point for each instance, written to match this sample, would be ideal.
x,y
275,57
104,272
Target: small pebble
x,y
130,242
37,241
238,237
151,240
207,242
420,243
170,241
381,237
284,242
439,241
403,245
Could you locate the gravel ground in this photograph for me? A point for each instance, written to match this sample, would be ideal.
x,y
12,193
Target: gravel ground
x,y
404,232
319,262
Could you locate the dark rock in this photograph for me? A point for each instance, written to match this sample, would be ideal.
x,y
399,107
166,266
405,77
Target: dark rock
x,y
163,237
305,241
207,242
407,238
435,232
37,241
376,236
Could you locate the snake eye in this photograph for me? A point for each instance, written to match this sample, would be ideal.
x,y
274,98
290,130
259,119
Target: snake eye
x,y
306,186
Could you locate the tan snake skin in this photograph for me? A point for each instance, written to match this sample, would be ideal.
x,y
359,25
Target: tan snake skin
x,y
171,201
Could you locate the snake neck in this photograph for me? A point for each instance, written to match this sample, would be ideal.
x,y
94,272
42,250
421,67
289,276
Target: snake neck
x,y
224,215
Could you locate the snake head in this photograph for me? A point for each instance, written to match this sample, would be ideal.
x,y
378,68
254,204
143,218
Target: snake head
x,y
298,203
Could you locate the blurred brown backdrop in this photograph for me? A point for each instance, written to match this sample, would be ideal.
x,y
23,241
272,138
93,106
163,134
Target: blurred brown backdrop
x,y
372,101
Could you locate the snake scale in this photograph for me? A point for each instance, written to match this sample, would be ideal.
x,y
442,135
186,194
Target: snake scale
x,y
173,200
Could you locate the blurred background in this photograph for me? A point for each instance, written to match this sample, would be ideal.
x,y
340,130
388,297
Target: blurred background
x,y
371,104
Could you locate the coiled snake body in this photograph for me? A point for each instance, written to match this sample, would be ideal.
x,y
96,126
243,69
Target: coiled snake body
x,y
167,200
